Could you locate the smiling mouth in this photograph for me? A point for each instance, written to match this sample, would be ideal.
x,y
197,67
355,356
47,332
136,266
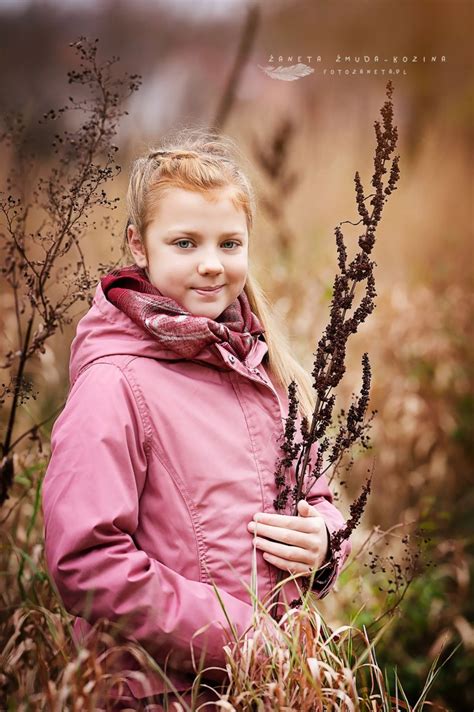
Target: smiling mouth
x,y
208,291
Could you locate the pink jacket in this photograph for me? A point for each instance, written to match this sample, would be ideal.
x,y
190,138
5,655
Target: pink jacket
x,y
157,467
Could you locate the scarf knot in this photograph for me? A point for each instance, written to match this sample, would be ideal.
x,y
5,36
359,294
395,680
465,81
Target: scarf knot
x,y
174,328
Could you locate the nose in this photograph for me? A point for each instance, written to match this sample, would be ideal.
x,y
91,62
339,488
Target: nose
x,y
210,263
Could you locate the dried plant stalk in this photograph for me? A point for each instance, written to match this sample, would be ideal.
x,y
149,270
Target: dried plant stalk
x,y
40,227
329,364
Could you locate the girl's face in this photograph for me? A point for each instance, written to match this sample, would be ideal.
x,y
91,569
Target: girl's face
x,y
193,243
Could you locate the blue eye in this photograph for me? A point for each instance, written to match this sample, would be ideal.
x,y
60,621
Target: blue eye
x,y
186,240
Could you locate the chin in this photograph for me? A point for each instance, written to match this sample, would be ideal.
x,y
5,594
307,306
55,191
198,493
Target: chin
x,y
208,315
211,310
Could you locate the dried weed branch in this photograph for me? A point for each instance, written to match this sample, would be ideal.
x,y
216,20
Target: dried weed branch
x,y
39,227
329,364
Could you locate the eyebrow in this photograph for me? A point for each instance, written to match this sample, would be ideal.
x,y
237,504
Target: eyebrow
x,y
195,233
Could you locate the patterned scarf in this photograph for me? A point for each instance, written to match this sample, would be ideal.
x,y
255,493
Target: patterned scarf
x,y
130,290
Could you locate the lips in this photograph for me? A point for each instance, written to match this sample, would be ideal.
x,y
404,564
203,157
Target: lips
x,y
208,290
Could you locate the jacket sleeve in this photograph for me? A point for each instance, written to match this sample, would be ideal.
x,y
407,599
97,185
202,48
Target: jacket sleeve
x,y
320,497
90,500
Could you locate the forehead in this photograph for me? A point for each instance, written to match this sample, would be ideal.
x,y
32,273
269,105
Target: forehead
x,y
177,205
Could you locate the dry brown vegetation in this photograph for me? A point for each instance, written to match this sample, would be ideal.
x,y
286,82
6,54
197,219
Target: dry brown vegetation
x,y
422,388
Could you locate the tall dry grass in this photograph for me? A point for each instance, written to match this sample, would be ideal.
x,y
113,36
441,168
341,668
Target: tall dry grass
x,y
299,663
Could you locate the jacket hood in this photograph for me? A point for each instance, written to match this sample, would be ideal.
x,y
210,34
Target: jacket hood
x,y
106,331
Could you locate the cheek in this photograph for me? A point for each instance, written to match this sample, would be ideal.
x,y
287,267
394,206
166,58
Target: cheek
x,y
172,271
238,270
168,279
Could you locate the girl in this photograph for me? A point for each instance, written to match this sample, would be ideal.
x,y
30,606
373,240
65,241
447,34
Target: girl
x,y
161,476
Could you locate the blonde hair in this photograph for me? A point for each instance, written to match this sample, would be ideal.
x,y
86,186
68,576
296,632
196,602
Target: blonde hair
x,y
200,160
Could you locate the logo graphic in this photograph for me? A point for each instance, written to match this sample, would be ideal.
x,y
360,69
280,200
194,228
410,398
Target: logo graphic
x,y
287,74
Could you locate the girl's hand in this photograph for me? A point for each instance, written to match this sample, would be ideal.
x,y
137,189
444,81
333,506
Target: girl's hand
x,y
295,544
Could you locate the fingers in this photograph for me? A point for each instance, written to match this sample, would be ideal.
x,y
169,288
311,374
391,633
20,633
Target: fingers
x,y
293,567
302,524
291,554
301,543
289,536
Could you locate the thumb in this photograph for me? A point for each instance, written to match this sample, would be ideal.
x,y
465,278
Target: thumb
x,y
307,510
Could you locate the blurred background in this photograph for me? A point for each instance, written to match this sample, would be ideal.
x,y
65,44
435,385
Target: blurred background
x,y
203,64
